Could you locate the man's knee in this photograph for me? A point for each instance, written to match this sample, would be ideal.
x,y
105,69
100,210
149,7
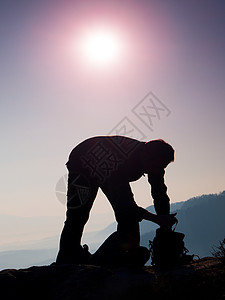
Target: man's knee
x,y
76,216
162,207
81,190
127,213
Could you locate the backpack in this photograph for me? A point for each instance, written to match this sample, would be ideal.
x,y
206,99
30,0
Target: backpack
x,y
112,253
167,249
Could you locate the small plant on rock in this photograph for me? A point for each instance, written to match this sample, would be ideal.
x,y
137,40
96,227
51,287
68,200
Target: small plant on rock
x,y
219,252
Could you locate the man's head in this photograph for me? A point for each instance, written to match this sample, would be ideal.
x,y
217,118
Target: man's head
x,y
158,154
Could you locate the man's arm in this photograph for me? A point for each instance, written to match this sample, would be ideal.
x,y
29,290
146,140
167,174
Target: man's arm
x,y
165,221
159,192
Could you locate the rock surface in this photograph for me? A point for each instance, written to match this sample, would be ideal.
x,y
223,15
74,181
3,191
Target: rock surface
x,y
203,279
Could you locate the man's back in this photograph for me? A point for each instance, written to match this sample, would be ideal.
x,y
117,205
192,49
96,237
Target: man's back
x,y
108,157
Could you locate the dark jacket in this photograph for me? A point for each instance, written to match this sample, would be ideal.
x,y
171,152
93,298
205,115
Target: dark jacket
x,y
116,160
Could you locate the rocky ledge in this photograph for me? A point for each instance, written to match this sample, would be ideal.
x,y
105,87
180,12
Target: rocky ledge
x,y
204,278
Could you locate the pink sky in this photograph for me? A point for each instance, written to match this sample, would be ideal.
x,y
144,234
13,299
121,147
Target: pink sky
x,y
51,100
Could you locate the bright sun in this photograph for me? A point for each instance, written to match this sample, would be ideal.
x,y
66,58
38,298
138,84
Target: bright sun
x,y
100,47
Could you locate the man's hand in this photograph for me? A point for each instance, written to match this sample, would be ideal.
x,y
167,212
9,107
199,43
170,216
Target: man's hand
x,y
166,221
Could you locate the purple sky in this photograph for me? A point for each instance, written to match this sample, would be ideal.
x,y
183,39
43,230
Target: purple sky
x,y
50,101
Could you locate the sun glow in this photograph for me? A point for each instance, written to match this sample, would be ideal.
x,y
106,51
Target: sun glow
x,y
100,47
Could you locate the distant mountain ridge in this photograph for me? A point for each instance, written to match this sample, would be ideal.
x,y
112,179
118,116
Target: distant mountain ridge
x,y
201,219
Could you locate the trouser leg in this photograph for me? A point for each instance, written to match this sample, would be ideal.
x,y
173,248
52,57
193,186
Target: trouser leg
x,y
162,205
80,198
123,246
126,213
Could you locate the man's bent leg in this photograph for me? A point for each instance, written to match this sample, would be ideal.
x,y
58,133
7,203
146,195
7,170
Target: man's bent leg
x,y
122,248
126,213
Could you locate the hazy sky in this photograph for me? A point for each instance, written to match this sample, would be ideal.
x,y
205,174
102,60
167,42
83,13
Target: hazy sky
x,y
52,98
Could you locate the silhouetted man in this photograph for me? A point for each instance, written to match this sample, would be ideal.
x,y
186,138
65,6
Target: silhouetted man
x,y
111,163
